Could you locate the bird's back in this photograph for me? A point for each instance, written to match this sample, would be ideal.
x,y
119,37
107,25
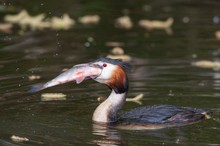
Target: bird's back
x,y
160,116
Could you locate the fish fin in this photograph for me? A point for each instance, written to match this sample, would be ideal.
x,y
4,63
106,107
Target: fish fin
x,y
36,88
80,65
80,79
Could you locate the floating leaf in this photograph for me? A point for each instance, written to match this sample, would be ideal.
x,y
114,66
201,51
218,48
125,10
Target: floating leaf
x,y
89,19
217,35
123,22
157,24
6,27
206,64
34,77
65,22
18,138
136,98
17,17
118,53
52,96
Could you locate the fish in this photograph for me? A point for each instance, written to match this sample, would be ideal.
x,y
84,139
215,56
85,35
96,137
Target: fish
x,y
77,73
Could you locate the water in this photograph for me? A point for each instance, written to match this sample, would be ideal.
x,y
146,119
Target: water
x,y
162,71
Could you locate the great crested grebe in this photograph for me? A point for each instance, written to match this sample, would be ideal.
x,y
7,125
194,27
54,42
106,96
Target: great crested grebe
x,y
113,74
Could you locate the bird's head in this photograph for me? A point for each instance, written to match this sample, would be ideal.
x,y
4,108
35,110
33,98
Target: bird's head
x,y
113,74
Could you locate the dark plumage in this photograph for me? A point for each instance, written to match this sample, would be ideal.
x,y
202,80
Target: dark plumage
x,y
124,65
164,114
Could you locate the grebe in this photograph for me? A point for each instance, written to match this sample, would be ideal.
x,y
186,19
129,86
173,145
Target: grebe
x,y
113,74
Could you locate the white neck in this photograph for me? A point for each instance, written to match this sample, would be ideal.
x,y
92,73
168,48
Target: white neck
x,y
107,110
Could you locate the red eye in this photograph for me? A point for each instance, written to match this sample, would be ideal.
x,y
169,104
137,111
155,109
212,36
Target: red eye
x,y
104,65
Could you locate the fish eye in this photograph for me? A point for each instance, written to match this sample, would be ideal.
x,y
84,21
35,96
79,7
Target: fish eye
x,y
104,65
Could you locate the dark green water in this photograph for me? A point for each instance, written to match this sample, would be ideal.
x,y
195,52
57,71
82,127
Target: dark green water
x,y
161,63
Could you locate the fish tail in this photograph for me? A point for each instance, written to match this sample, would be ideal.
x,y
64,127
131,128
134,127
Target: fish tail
x,y
36,88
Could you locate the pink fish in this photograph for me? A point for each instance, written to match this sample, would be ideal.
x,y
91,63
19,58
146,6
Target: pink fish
x,y
77,73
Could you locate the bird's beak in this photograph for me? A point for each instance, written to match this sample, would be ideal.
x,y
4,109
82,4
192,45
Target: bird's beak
x,y
77,73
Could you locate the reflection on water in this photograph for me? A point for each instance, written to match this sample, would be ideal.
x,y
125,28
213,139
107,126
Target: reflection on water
x,y
110,137
161,70
216,81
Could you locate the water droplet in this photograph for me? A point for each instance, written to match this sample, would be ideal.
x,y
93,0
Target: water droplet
x,y
216,19
87,44
55,54
90,39
194,56
186,19
147,8
171,93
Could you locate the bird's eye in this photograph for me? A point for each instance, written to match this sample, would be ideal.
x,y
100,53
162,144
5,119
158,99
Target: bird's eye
x,y
104,65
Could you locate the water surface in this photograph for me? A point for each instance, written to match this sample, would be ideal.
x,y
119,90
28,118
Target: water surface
x,y
161,62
